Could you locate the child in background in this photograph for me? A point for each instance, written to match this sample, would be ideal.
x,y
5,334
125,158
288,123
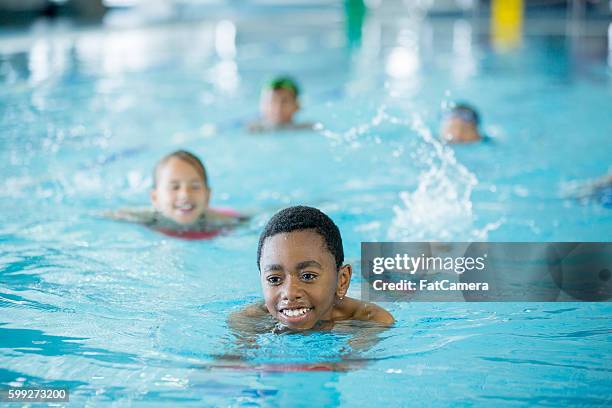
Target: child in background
x,y
278,105
461,125
180,197
300,259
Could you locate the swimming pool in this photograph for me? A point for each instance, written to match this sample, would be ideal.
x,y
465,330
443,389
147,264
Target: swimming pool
x,y
121,315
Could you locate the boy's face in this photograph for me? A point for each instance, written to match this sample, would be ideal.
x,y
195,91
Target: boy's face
x,y
299,279
278,106
180,193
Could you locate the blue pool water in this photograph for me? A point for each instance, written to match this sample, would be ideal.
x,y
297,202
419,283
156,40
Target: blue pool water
x,y
120,314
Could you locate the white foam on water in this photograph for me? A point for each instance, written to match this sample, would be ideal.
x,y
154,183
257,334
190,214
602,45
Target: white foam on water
x,y
440,208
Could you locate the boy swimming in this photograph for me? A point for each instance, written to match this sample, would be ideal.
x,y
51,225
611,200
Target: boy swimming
x,y
461,125
180,197
278,105
304,282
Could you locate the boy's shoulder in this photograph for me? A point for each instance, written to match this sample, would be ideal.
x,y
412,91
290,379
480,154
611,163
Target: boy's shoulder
x,y
255,310
353,309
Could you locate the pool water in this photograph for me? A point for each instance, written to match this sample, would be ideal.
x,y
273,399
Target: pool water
x,y
123,315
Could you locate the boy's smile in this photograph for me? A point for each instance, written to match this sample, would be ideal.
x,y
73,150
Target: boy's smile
x,y
299,278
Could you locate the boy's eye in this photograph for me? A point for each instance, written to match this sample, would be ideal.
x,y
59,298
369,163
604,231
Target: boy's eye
x,y
196,186
273,280
174,186
307,276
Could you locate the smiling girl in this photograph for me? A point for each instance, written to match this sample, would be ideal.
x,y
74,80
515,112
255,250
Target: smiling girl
x,y
180,197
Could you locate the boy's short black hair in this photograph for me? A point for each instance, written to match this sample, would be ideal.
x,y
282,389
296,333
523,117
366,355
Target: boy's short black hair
x,y
284,82
300,218
188,158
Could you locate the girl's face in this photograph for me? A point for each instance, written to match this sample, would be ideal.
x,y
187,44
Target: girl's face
x,y
180,193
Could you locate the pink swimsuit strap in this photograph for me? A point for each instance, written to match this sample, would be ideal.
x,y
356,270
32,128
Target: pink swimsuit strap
x,y
194,235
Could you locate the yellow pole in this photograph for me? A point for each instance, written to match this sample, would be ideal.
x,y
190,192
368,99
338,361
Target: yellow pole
x,y
506,24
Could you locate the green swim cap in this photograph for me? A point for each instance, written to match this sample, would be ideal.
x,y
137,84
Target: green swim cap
x,y
283,83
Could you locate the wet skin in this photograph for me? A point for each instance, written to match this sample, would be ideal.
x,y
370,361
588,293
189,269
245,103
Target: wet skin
x,y
457,130
301,286
278,106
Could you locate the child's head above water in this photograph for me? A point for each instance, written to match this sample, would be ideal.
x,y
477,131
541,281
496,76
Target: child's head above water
x,y
300,258
279,101
180,187
460,124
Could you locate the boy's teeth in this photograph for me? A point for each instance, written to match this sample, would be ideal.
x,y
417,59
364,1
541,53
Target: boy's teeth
x,y
184,206
295,312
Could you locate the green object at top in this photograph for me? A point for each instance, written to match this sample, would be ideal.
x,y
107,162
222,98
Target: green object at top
x,y
284,83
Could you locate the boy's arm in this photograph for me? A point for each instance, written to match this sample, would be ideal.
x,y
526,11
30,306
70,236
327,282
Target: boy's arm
x,y
365,336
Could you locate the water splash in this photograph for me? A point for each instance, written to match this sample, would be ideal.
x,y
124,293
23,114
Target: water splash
x,y
440,208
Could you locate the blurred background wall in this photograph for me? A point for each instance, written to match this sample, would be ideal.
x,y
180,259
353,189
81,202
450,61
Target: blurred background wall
x,y
23,11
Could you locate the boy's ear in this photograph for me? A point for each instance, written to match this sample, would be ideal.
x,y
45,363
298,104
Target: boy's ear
x,y
344,280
